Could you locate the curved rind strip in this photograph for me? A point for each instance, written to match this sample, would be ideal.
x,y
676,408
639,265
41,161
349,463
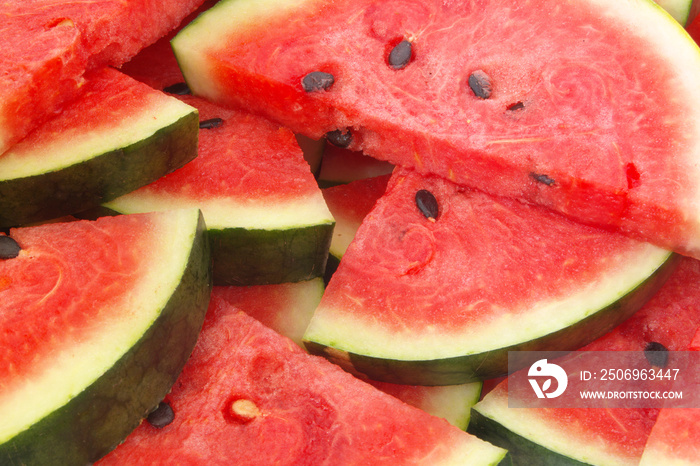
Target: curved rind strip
x,y
494,363
106,176
527,451
262,245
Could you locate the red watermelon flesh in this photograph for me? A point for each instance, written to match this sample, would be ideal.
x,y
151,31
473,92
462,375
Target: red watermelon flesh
x,y
300,410
576,120
107,98
671,318
675,437
411,288
287,309
72,295
247,158
350,203
49,44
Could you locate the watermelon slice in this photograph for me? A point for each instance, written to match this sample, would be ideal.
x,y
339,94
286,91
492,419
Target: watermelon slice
x,y
266,216
598,436
586,107
97,320
118,136
424,291
250,396
287,309
49,44
349,204
675,437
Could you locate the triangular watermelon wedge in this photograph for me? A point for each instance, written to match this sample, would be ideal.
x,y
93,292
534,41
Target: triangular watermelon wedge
x,y
287,308
117,136
97,319
49,44
436,272
249,396
587,107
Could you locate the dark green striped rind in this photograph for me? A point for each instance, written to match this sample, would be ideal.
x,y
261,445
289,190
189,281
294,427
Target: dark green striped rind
x,y
521,451
494,363
108,175
96,420
244,256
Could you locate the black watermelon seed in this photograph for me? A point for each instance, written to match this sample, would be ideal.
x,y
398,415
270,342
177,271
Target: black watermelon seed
x,y
400,55
317,81
339,138
515,106
178,89
161,416
9,249
211,123
480,84
427,204
656,354
541,178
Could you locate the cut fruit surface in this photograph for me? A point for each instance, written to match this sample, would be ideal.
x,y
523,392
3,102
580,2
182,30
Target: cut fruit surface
x,y
50,44
424,300
97,321
574,118
118,136
251,395
349,204
266,216
597,435
287,309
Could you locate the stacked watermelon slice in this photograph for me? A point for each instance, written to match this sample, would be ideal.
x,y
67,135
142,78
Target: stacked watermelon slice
x,y
542,203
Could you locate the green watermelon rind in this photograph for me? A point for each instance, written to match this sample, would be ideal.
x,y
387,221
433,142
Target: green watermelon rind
x,y
81,186
518,447
244,256
97,419
494,363
277,250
